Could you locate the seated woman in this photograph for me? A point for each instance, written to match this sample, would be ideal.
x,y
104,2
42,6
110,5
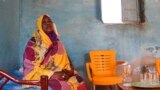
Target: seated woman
x,y
45,55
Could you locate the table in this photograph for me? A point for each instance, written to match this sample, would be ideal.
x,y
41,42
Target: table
x,y
121,86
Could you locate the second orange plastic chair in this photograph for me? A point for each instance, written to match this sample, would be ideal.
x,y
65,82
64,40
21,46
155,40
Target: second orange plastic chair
x,y
158,65
101,69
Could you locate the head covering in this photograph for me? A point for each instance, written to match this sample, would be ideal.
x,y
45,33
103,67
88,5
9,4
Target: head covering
x,y
46,39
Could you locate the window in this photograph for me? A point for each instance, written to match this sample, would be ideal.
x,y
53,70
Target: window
x,y
122,11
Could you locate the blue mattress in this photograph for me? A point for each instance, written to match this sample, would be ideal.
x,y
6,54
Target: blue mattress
x,y
13,86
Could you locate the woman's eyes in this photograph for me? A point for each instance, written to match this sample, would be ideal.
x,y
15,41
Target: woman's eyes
x,y
47,22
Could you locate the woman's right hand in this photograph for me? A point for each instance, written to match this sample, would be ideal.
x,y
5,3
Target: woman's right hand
x,y
58,75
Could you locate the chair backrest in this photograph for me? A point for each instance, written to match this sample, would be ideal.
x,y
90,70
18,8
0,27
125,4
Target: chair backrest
x,y
103,62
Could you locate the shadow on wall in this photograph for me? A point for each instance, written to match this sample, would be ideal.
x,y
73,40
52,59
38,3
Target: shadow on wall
x,y
98,9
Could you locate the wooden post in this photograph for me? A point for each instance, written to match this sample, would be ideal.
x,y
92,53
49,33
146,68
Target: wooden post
x,y
44,82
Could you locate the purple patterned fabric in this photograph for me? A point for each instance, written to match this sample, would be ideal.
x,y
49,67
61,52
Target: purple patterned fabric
x,y
28,57
55,84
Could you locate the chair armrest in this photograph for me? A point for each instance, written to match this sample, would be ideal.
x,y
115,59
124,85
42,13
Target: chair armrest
x,y
88,70
121,62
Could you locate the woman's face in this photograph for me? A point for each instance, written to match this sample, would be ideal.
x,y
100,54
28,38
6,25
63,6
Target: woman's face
x,y
47,24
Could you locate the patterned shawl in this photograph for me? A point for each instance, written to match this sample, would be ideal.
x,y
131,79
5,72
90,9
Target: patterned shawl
x,y
44,54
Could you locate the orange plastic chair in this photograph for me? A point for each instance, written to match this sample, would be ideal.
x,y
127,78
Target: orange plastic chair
x,y
101,69
158,65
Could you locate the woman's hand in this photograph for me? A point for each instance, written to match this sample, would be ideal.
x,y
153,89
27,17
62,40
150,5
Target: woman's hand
x,y
60,76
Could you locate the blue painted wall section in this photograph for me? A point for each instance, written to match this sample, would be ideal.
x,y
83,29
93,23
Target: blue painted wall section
x,y
80,29
9,34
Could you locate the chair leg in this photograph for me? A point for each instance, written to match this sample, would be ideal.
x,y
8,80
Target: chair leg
x,y
114,87
44,82
110,87
94,87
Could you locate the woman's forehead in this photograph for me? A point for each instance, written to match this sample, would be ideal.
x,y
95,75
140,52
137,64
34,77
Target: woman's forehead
x,y
46,19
